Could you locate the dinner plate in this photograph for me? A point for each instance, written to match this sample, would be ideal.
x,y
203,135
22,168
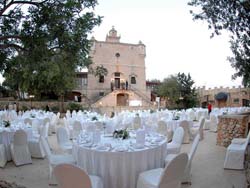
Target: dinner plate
x,y
138,146
87,144
102,148
154,144
121,149
108,135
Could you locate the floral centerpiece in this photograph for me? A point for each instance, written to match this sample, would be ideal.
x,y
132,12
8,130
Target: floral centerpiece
x,y
123,133
176,117
32,115
151,111
94,118
6,123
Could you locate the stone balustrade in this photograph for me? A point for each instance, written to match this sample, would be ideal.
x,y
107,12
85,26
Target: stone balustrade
x,y
231,126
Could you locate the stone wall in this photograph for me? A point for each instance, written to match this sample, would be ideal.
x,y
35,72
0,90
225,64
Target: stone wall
x,y
27,105
231,126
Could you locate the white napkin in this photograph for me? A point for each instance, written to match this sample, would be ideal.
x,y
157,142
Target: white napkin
x,y
140,137
96,137
109,129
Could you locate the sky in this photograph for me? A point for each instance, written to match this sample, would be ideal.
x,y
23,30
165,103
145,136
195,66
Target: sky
x,y
174,42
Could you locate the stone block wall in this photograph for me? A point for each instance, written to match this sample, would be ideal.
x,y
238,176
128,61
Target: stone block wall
x,y
231,126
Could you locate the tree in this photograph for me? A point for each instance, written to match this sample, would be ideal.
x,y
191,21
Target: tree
x,y
99,71
44,42
170,90
188,96
232,16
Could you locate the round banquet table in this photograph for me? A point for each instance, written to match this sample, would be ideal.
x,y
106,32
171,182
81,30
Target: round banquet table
x,y
118,168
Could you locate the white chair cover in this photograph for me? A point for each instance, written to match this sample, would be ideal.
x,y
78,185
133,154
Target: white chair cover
x,y
174,147
46,120
52,125
213,123
198,130
185,125
77,128
169,177
55,160
3,156
63,139
28,121
6,141
19,149
162,128
187,173
235,155
36,148
68,175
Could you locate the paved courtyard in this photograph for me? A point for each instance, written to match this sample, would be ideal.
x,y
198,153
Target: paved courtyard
x,y
207,168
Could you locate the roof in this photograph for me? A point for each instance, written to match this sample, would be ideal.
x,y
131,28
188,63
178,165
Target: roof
x,y
221,96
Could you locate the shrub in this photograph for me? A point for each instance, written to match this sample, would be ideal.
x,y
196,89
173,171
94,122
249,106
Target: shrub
x,y
24,108
74,106
54,108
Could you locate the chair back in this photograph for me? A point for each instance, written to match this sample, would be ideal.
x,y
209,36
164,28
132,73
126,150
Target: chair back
x,y
199,115
62,135
46,147
174,171
5,138
98,125
202,122
28,121
162,127
45,130
77,125
193,148
20,138
185,125
70,176
77,128
213,118
46,120
248,137
178,135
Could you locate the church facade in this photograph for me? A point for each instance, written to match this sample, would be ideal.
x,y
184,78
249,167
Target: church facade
x,y
125,81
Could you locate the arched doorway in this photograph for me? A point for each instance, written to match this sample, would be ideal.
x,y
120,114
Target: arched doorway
x,y
122,99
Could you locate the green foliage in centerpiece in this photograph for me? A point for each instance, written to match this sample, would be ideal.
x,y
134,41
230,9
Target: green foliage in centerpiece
x,y
94,118
151,111
176,118
6,123
32,115
123,133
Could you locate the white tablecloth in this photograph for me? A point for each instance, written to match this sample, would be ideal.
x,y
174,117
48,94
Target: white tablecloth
x,y
120,169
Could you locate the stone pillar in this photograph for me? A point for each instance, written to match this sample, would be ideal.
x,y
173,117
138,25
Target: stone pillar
x,y
231,126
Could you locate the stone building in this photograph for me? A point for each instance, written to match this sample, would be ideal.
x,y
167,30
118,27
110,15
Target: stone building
x,y
125,82
236,96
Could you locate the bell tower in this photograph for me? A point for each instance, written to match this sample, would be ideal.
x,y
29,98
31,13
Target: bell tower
x,y
112,36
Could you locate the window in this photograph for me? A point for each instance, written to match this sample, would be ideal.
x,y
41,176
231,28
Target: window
x,y
117,55
101,94
133,80
85,81
237,100
117,74
101,79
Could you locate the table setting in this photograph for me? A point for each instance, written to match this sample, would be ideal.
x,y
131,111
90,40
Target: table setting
x,y
119,157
